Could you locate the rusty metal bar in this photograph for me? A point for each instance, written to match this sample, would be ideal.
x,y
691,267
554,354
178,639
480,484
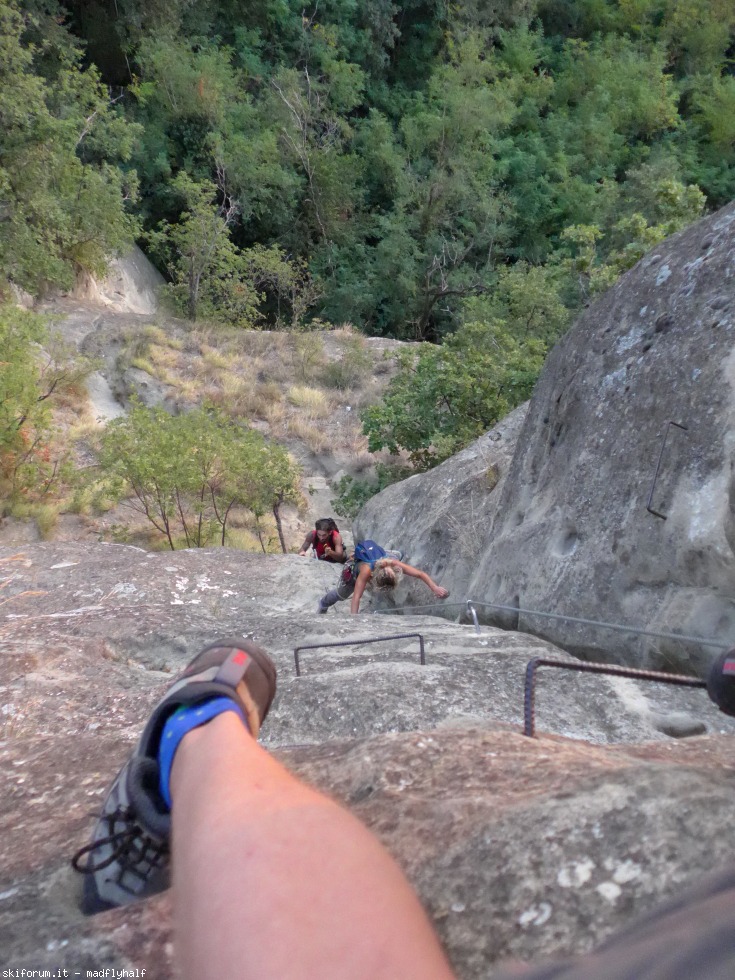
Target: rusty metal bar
x,y
357,643
658,467
641,675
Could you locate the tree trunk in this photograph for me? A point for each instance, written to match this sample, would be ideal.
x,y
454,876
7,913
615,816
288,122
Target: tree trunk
x,y
279,526
194,280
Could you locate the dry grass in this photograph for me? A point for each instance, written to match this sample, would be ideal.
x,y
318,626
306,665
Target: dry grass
x,y
363,461
346,330
141,363
47,519
188,393
354,365
239,397
72,396
247,540
270,341
384,364
203,336
306,353
274,414
266,398
166,358
156,335
314,437
214,358
312,401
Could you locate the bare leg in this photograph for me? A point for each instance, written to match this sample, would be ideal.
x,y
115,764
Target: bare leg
x,y
274,881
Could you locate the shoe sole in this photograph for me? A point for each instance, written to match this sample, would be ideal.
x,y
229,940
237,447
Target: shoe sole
x,y
204,662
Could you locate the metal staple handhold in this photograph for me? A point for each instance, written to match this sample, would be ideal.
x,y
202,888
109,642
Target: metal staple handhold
x,y
658,467
356,643
473,612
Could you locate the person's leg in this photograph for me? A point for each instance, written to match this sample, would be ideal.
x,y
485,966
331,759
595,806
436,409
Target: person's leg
x,y
345,588
273,880
328,600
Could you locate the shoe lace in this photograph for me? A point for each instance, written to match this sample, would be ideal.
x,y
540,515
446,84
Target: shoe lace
x,y
130,846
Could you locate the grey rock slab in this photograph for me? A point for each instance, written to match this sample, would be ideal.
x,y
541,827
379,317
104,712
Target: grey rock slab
x,y
529,848
103,403
142,616
132,285
518,847
572,533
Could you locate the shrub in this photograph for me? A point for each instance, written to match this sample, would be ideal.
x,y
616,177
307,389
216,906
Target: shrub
x,y
353,494
350,370
185,473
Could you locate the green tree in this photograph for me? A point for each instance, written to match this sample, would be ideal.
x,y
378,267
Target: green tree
x,y
200,256
34,369
63,190
443,210
352,494
595,259
277,484
444,397
214,278
314,132
185,473
396,155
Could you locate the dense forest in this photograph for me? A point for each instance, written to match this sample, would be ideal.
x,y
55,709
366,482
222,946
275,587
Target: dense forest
x,y
467,175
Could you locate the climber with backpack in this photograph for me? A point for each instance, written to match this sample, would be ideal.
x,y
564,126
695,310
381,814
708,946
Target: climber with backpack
x,y
372,565
326,541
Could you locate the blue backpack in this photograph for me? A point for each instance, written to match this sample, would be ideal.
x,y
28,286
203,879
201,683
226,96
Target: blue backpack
x,y
369,552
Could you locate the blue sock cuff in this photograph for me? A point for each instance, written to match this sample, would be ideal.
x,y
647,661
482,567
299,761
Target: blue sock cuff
x,y
180,724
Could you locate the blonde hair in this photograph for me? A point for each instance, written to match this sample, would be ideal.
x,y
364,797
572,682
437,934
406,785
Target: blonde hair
x,y
386,574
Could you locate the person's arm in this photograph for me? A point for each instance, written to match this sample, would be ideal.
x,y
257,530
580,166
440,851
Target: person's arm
x,y
248,858
439,591
363,577
308,542
337,553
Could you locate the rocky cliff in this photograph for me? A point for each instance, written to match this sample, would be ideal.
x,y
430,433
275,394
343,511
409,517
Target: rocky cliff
x,y
518,847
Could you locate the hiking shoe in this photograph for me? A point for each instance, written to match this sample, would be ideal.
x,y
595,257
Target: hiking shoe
x,y
320,608
128,856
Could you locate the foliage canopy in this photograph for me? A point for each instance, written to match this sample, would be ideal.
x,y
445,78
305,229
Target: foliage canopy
x,y
185,473
63,188
35,367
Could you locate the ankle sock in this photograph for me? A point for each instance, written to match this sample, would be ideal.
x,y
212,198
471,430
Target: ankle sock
x,y
181,722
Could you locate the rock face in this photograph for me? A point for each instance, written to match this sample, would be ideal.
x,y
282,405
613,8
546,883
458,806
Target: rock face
x,y
132,285
570,531
439,519
518,847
